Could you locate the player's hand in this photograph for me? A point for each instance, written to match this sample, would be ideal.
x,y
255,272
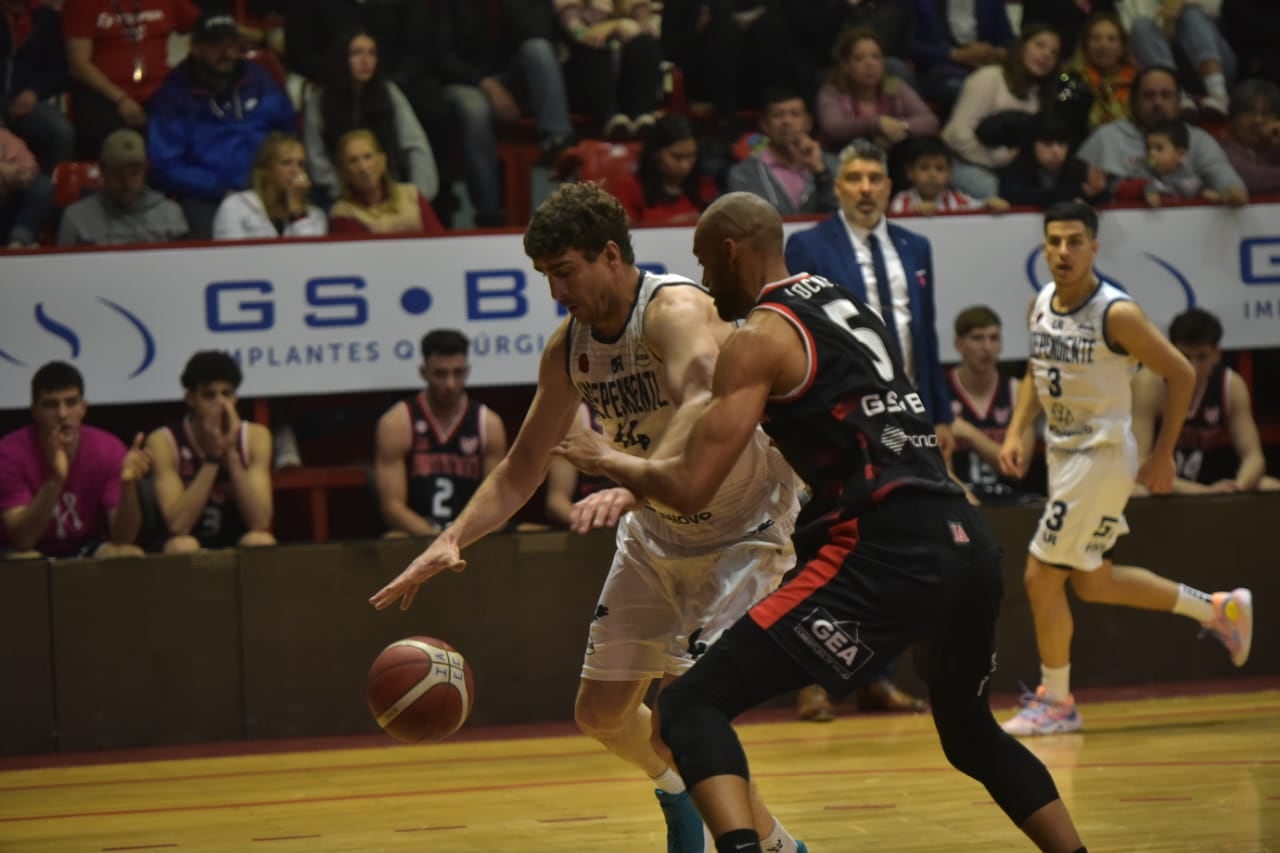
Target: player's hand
x,y
601,509
1224,487
440,555
227,429
1012,454
1157,474
946,440
137,462
586,449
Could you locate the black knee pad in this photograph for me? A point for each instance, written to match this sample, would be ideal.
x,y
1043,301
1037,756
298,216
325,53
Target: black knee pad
x,y
1017,780
699,734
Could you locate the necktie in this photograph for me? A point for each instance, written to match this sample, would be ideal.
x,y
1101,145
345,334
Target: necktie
x,y
886,298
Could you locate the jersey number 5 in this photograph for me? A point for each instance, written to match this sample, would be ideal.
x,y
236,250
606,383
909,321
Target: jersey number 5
x,y
840,311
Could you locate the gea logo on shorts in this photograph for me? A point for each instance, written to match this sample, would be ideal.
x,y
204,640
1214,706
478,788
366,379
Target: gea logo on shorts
x,y
835,642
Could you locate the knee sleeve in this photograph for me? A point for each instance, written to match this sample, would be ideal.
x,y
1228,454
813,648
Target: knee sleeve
x,y
699,734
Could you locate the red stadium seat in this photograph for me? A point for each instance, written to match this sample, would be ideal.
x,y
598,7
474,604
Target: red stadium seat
x,y
74,178
597,160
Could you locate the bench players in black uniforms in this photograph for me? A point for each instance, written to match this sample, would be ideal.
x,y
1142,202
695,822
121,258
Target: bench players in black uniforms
x,y
889,553
211,471
982,400
1219,449
434,448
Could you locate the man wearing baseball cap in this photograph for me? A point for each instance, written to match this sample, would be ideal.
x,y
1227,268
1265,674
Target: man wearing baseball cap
x,y
126,210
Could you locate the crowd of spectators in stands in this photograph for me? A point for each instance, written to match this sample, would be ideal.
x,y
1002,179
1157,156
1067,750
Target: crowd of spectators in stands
x,y
437,83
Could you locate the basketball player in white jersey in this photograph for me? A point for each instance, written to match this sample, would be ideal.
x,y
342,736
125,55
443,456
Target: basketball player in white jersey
x,y
1086,337
640,349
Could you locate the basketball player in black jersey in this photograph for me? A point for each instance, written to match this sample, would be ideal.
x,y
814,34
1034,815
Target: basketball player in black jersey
x,y
1218,450
434,448
212,471
889,553
567,485
982,400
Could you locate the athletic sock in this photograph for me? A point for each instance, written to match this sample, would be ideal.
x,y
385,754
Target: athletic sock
x,y
739,841
779,840
1056,680
669,782
1194,604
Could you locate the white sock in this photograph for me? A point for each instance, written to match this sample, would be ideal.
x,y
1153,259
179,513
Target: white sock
x,y
1216,84
1056,680
778,840
1194,604
669,782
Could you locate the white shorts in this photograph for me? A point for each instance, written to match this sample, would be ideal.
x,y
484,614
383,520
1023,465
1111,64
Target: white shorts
x,y
1084,517
658,613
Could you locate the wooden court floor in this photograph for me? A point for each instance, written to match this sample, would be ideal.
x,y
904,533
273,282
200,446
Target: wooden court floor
x,y
1173,774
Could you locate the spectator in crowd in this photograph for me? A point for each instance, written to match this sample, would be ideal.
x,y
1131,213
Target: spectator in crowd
x,y
730,53
1156,26
434,448
118,55
35,71
1119,148
211,470
621,92
1103,61
953,38
1253,146
668,186
372,203
497,60
1170,173
891,269
1068,18
126,210
26,194
983,400
993,116
207,120
816,28
1045,171
276,203
929,174
68,489
1250,27
1218,450
358,96
860,100
566,485
790,170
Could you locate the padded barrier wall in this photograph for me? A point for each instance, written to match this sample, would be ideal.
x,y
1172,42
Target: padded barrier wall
x,y
276,642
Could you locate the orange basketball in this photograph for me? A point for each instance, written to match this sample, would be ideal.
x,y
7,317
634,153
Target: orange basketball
x,y
420,689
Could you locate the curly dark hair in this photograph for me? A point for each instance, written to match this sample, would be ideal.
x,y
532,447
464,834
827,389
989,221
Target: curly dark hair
x,y
582,216
211,366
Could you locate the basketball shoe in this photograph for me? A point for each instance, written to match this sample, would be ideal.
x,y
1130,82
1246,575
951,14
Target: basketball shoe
x,y
1233,622
684,824
1043,715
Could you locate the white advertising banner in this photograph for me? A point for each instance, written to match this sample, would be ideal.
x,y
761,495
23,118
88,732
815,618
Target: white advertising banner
x,y
312,318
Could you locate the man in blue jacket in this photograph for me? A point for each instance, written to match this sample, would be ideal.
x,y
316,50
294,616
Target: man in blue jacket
x,y
882,264
950,40
208,119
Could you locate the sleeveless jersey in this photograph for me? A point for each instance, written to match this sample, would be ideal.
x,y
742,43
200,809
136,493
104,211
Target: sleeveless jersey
x,y
993,421
220,524
624,384
1205,453
1082,382
855,429
444,470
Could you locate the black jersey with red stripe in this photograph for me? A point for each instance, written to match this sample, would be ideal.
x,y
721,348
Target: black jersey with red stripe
x,y
220,524
1205,452
993,421
855,429
444,469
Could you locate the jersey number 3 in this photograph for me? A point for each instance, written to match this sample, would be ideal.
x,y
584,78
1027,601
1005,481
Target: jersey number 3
x,y
840,311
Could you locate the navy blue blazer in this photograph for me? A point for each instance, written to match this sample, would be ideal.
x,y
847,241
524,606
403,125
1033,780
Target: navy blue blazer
x,y
825,250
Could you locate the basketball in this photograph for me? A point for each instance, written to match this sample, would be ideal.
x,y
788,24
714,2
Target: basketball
x,y
420,689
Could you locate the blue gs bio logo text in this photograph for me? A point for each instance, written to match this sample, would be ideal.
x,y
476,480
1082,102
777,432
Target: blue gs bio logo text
x,y
1260,260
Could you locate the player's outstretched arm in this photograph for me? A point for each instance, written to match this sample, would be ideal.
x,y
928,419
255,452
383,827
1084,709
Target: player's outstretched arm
x,y
511,483
1244,434
1129,330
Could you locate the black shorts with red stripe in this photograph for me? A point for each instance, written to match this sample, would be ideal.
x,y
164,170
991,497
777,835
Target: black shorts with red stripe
x,y
921,570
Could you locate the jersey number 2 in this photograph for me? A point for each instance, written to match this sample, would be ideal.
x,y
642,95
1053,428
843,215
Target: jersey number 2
x,y
840,311
440,508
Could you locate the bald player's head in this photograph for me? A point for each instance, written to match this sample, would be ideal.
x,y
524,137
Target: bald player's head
x,y
738,242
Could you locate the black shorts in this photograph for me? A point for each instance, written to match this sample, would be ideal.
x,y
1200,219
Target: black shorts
x,y
921,569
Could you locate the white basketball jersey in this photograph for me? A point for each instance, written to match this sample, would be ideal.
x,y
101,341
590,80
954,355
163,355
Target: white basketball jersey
x,y
1082,383
625,385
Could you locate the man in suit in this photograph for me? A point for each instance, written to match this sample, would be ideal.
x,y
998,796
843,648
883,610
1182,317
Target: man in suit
x,y
883,264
